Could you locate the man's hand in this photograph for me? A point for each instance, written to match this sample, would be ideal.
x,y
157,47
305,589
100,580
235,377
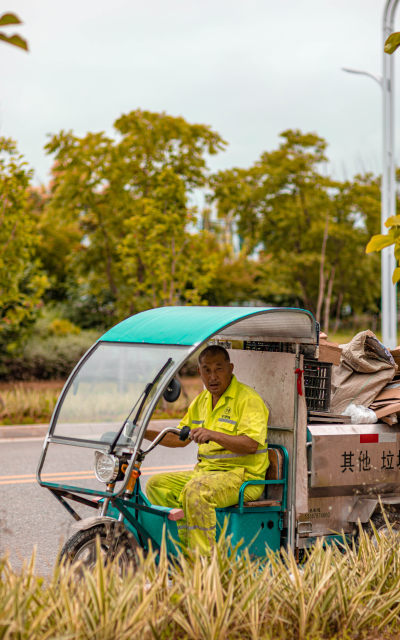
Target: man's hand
x,y
237,444
201,435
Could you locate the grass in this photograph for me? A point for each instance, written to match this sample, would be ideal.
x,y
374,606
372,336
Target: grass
x,y
28,402
337,593
33,402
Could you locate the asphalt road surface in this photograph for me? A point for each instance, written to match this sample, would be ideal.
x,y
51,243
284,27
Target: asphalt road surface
x,y
31,518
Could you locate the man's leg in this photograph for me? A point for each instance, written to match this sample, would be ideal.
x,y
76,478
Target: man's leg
x,y
165,489
202,494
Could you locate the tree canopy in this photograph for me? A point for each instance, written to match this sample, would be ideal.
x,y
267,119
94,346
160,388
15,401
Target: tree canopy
x,y
22,283
116,230
127,199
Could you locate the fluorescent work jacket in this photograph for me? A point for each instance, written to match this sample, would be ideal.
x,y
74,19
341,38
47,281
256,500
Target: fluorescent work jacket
x,y
239,411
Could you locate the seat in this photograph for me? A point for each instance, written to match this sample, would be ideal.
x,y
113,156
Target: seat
x,y
272,495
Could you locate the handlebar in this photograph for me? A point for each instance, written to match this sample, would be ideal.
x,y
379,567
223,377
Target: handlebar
x,y
183,434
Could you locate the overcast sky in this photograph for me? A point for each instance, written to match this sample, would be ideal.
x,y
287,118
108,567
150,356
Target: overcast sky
x,y
248,68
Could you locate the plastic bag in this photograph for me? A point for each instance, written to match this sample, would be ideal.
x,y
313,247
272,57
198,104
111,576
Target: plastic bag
x,y
360,414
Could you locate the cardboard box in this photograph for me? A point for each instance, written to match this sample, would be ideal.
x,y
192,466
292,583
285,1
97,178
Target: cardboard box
x,y
329,352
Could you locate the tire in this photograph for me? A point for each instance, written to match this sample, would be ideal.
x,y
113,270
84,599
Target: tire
x,y
113,540
392,514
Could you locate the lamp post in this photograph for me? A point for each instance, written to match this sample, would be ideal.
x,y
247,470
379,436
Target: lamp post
x,y
388,197
388,187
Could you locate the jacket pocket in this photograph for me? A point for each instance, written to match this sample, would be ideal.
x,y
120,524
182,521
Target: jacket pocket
x,y
226,424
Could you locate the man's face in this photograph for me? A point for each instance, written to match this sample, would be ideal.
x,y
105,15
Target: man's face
x,y
216,373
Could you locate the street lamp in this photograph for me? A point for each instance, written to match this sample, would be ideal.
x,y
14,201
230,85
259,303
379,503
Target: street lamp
x,y
388,187
388,197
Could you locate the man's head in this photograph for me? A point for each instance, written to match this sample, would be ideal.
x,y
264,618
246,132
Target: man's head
x,y
215,369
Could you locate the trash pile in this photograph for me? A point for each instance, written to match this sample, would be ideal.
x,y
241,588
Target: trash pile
x,y
366,379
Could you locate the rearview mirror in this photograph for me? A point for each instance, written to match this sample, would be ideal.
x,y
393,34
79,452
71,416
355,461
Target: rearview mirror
x,y
173,390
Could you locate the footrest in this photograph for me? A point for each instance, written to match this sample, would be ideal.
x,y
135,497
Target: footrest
x,y
176,514
262,503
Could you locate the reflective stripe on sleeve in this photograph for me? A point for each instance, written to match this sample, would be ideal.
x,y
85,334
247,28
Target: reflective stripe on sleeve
x,y
232,455
197,421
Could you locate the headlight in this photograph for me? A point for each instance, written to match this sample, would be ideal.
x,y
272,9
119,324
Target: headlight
x,y
106,467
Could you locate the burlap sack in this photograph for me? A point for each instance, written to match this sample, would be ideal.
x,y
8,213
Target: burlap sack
x,y
366,366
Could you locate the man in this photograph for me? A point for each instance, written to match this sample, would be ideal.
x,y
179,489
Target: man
x,y
229,423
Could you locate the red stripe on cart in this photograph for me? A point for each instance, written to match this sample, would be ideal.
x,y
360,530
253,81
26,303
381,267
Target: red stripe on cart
x,y
365,438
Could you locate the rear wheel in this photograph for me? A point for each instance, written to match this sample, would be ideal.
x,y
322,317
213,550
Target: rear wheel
x,y
114,542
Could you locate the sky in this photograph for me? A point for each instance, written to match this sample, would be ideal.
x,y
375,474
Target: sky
x,y
248,68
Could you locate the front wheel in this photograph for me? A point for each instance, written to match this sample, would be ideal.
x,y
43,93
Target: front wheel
x,y
114,542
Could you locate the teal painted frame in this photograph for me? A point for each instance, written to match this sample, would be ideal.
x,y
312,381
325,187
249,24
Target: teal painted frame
x,y
267,483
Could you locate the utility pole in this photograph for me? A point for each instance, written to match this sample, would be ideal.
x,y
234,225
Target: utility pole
x,y
388,188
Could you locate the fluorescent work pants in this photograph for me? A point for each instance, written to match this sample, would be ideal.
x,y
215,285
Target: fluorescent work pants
x,y
199,493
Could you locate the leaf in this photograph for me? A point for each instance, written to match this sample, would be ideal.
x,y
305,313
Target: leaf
x,y
396,275
9,18
392,43
379,242
392,221
15,40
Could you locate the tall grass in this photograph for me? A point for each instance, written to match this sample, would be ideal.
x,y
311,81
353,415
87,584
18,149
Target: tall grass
x,y
22,403
33,402
337,593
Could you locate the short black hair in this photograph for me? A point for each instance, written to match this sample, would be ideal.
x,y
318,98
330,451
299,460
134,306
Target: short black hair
x,y
213,350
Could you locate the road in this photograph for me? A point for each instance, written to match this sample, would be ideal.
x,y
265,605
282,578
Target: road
x,y
30,516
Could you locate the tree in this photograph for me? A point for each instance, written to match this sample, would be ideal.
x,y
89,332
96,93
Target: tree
x,y
22,282
6,20
129,199
304,227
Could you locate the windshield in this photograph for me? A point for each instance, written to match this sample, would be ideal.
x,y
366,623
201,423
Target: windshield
x,y
108,385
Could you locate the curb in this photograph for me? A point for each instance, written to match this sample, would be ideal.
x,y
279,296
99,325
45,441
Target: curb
x,y
40,430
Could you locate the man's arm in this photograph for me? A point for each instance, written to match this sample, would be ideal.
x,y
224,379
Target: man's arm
x,y
170,440
237,444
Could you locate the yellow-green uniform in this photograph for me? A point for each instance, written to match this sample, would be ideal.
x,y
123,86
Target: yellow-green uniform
x,y
219,474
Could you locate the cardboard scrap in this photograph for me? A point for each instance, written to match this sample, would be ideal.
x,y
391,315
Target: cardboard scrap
x,y
387,403
396,355
366,367
329,351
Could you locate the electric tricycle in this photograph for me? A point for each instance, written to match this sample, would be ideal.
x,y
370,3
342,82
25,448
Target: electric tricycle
x,y
108,401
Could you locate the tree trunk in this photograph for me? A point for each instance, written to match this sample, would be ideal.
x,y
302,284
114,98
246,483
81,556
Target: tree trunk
x,y
321,288
327,308
338,310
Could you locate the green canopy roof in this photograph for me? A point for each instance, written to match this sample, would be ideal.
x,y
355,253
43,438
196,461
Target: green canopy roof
x,y
193,325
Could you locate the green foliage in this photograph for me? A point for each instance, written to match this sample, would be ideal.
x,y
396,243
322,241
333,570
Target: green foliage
x,y
381,241
10,19
309,231
338,592
115,232
22,283
392,43
124,203
62,327
48,358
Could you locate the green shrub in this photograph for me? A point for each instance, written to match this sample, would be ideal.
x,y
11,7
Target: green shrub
x,y
62,327
48,358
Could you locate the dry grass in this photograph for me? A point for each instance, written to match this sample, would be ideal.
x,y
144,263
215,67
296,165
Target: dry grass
x,y
348,593
28,402
33,402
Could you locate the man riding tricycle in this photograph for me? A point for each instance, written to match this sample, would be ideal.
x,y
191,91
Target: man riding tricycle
x,y
257,365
